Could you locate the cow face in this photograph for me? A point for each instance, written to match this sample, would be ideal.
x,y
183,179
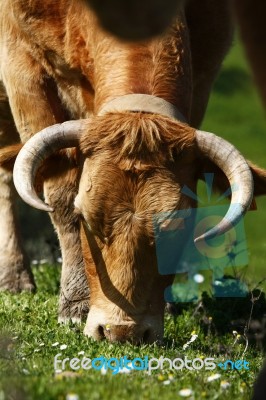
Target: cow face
x,y
118,207
124,185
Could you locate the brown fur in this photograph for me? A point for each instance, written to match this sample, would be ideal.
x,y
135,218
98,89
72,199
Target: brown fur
x,y
8,156
131,21
137,141
58,64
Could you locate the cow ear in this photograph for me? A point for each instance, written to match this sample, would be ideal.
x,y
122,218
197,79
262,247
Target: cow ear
x,y
221,183
8,156
259,176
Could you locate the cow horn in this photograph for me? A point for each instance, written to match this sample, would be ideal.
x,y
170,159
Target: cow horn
x,y
237,171
36,150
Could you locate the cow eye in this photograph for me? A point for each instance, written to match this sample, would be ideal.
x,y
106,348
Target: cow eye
x,y
172,224
175,223
101,241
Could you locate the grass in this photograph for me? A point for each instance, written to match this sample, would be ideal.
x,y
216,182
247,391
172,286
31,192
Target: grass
x,y
29,328
31,338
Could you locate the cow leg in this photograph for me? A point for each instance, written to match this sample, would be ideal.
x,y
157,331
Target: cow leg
x,y
35,105
60,194
15,273
211,31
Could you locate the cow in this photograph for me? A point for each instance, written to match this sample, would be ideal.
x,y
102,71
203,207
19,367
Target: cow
x,y
139,20
110,133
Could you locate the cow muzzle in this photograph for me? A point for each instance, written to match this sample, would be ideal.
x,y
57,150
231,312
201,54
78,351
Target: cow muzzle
x,y
148,329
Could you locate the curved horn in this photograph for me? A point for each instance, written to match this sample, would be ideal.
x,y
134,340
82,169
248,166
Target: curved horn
x,y
237,171
36,150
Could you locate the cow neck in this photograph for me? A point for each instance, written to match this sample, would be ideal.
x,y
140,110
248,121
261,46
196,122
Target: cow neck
x,y
160,67
143,103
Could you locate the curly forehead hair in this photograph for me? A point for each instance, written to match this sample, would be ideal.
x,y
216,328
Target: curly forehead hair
x,y
137,138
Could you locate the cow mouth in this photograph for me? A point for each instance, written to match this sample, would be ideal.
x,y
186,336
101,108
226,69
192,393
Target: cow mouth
x,y
147,330
66,135
122,334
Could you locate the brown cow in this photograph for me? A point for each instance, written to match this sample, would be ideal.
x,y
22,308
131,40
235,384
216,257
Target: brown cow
x,y
143,19
134,105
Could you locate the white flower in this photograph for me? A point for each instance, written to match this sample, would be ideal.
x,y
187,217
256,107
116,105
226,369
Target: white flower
x,y
35,262
213,377
185,392
55,344
124,370
36,350
72,396
43,261
63,347
225,384
25,371
41,344
58,371
198,278
59,260
81,353
166,382
103,371
191,340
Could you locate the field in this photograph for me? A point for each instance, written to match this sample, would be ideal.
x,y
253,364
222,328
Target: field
x,y
30,336
236,114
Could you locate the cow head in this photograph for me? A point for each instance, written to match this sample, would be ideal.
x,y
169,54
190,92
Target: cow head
x,y
134,167
131,173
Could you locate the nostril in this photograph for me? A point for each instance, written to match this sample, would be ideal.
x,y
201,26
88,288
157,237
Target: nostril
x,y
133,333
100,332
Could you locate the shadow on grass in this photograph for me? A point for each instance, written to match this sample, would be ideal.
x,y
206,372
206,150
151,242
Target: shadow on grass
x,y
246,316
232,80
220,316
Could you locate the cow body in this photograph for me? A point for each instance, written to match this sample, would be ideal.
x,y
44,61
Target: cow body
x,y
57,63
139,20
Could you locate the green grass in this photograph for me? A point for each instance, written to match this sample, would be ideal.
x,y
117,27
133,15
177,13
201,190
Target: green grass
x,y
27,353
29,322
